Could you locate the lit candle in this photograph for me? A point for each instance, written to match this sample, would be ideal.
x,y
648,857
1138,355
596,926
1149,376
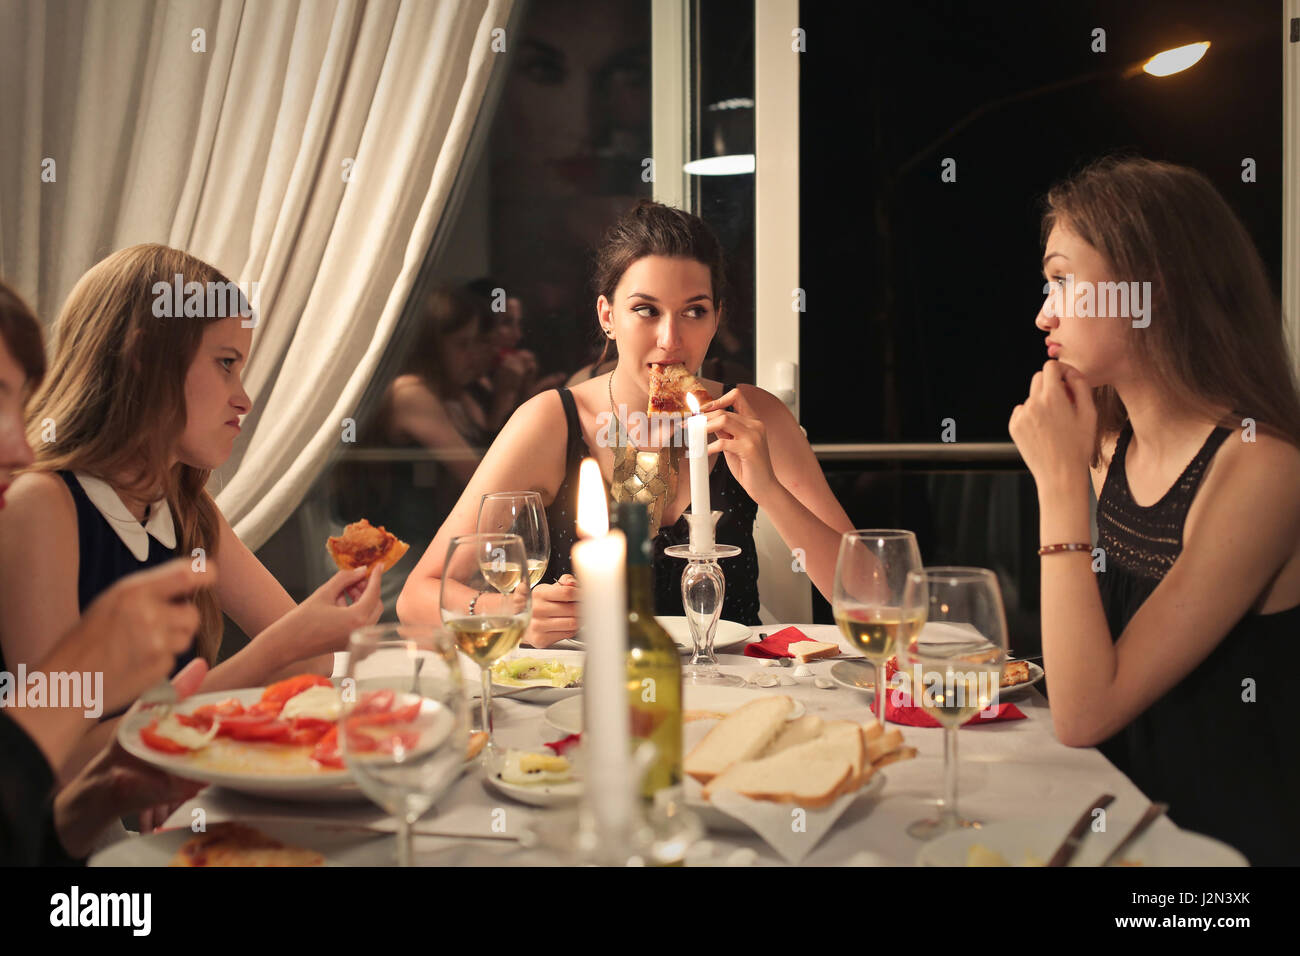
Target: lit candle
x,y
697,450
599,562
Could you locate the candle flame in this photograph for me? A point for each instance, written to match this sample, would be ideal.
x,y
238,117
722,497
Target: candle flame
x,y
693,402
593,511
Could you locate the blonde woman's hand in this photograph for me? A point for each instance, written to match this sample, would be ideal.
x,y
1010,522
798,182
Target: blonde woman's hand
x,y
323,622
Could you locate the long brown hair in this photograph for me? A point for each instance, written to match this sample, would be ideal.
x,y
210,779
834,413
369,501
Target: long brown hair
x,y
653,229
1216,335
115,396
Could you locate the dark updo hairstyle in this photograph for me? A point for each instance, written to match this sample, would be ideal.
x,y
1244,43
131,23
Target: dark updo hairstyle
x,y
652,229
21,334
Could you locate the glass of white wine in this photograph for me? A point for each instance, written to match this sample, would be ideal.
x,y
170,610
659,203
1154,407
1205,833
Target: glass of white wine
x,y
952,665
487,604
404,725
521,513
870,578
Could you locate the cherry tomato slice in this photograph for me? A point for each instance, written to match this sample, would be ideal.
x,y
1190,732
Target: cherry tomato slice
x,y
376,702
290,687
327,750
226,708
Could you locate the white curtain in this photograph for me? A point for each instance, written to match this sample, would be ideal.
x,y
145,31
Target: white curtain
x,y
308,147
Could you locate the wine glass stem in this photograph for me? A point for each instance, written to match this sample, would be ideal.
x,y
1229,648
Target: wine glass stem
x,y
880,693
485,703
403,841
948,812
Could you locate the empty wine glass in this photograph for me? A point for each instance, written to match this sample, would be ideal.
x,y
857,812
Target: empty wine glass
x,y
521,513
487,604
952,666
404,726
870,578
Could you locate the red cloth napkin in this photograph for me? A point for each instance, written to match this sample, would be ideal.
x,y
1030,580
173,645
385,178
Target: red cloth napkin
x,y
564,744
776,645
908,714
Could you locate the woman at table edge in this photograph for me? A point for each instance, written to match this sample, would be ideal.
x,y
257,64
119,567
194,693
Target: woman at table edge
x,y
1158,654
661,290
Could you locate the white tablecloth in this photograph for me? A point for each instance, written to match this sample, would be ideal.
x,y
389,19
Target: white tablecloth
x,y
1007,770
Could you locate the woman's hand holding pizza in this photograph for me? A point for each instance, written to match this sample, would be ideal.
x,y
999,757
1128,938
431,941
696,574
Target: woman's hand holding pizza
x,y
323,622
742,437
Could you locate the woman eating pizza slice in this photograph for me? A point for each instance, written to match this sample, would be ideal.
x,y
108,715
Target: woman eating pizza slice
x,y
660,298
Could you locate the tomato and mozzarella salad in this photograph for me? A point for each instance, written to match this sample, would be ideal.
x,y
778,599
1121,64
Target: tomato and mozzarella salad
x,y
301,711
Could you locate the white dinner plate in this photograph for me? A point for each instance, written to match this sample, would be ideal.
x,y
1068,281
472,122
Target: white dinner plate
x,y
536,794
715,819
540,693
729,634
340,847
1016,840
861,675
566,715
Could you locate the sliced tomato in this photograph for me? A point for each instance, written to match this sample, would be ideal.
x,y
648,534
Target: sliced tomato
x,y
281,691
149,734
327,750
402,715
265,708
308,730
226,708
197,721
256,728
375,702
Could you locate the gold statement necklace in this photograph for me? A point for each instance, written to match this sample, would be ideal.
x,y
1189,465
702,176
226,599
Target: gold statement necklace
x,y
649,477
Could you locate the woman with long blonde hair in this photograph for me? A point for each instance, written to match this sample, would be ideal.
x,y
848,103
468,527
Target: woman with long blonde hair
x,y
140,403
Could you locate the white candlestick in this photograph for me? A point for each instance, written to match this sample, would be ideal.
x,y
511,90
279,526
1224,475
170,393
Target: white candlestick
x,y
599,563
697,451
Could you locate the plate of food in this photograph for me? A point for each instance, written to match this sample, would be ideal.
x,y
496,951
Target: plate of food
x,y
1032,843
699,703
1017,677
251,843
538,677
279,741
537,779
729,634
765,754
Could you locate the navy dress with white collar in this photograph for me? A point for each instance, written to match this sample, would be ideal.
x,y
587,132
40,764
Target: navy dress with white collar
x,y
112,543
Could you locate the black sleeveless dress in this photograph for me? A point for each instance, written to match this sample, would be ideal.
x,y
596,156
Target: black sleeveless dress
x,y
736,526
1227,767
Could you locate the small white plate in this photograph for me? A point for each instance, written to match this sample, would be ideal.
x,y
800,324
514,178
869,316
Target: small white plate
x,y
1039,838
861,675
536,794
715,819
566,715
339,847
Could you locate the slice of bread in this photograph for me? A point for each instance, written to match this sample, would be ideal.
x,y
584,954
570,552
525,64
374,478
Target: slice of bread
x,y
811,774
743,735
886,743
806,728
805,651
902,753
871,729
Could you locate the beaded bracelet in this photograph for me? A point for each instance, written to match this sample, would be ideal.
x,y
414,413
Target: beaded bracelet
x,y
1058,548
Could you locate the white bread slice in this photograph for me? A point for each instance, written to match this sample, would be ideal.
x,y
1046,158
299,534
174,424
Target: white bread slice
x,y
902,753
811,774
741,735
886,743
805,651
871,729
806,728
787,777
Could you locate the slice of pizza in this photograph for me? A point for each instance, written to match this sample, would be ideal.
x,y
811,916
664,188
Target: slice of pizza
x,y
669,386
235,844
362,544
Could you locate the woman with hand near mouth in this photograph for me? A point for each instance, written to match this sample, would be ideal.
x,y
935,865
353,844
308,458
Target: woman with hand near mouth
x,y
1173,647
660,293
136,410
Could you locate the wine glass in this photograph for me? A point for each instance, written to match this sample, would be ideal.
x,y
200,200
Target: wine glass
x,y
952,665
487,604
404,726
870,578
521,513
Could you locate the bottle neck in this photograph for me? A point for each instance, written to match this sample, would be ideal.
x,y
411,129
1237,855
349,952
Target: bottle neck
x,y
640,588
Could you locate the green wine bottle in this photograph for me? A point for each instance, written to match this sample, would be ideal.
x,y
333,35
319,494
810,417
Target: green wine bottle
x,y
654,667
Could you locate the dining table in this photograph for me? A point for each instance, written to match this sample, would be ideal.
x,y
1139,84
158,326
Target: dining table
x,y
1008,770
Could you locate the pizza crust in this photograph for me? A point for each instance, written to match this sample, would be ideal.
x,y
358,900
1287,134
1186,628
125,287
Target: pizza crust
x,y
362,545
